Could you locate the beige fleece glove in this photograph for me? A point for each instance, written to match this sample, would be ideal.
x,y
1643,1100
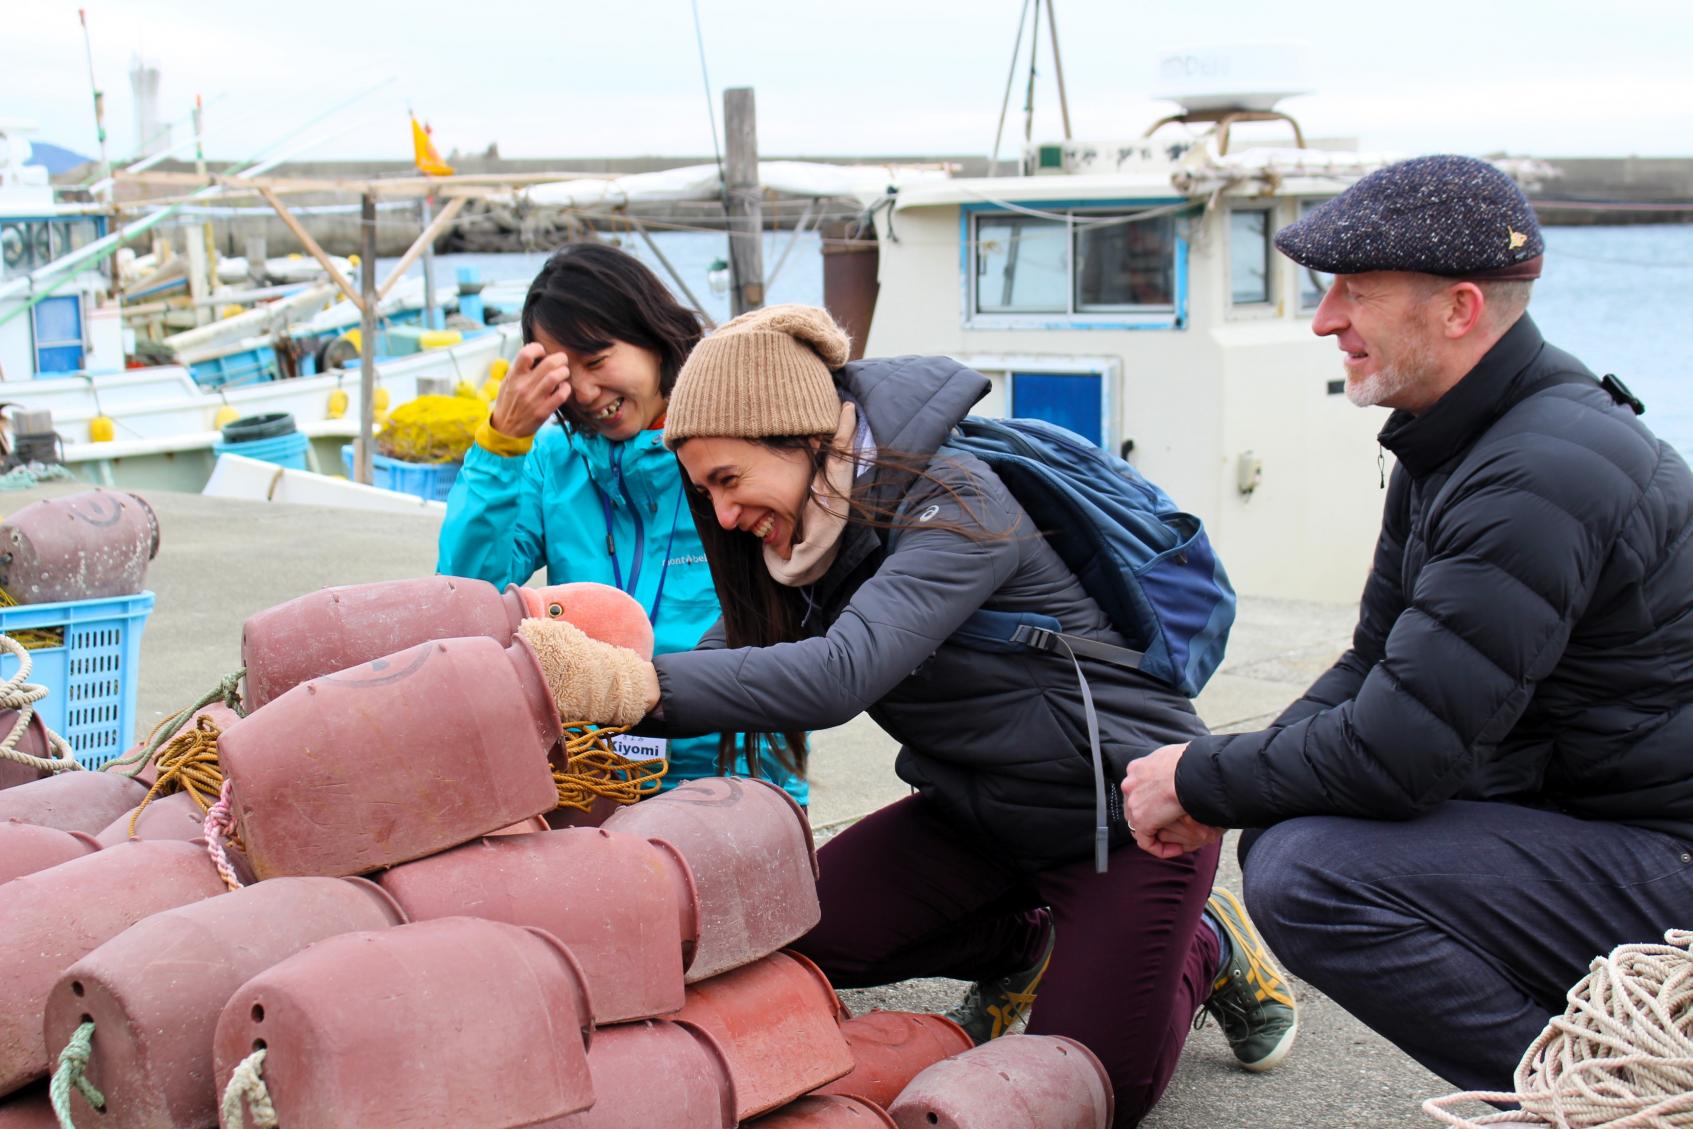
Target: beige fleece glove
x,y
590,681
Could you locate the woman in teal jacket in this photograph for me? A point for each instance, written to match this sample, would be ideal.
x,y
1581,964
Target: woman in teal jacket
x,y
594,496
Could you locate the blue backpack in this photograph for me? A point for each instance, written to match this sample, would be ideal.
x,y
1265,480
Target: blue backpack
x,y
1149,566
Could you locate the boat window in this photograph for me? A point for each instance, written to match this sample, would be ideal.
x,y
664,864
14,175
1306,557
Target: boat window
x,y
1022,265
1249,256
1313,284
1124,264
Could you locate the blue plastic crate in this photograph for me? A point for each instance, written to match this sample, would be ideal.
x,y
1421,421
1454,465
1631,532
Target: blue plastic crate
x,y
429,481
92,676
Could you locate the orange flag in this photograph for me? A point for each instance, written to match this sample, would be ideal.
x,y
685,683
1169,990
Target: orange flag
x,y
429,161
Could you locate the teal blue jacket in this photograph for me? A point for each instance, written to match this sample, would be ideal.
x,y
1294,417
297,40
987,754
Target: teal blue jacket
x,y
586,508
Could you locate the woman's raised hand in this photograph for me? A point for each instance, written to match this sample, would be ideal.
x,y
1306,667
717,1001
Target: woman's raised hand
x,y
536,387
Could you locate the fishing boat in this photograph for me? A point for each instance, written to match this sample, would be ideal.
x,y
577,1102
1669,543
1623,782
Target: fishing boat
x,y
65,350
1128,290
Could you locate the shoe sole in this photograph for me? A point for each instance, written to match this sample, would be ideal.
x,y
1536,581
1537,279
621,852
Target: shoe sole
x,y
1278,1053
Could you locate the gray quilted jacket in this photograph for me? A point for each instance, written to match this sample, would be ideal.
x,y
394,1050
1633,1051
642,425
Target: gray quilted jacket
x,y
997,740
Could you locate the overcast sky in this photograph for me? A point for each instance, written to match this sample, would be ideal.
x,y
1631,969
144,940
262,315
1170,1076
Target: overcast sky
x,y
564,78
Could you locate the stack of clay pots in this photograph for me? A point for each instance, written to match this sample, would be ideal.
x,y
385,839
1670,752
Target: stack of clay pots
x,y
416,946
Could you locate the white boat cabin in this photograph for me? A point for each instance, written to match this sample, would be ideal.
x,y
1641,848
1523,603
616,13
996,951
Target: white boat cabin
x,y
1130,292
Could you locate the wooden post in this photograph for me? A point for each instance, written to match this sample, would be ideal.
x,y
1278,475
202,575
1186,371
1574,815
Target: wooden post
x,y
255,248
367,340
742,201
427,206
194,243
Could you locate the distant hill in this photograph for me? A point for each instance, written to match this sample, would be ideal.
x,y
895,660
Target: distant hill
x,y
55,158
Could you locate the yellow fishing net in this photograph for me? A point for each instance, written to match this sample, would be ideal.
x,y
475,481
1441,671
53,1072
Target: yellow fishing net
x,y
432,429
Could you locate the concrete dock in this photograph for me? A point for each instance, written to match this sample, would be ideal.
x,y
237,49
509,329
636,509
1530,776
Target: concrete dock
x,y
221,560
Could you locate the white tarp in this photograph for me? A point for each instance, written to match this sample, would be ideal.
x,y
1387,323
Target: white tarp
x,y
701,182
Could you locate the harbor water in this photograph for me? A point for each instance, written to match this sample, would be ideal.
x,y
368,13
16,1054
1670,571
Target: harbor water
x,y
1619,298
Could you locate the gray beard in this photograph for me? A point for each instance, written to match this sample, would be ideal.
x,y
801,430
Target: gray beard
x,y
1387,382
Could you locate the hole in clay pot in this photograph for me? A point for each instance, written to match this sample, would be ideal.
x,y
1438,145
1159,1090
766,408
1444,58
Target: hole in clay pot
x,y
258,1044
933,1118
76,988
258,1013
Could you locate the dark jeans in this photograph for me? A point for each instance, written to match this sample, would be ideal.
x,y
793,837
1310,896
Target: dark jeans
x,y
1458,934
906,894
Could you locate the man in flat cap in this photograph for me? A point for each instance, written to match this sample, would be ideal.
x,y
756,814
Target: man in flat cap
x,y
1495,784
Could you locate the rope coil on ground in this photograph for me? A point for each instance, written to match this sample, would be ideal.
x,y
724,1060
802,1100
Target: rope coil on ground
x,y
69,1074
246,1081
1620,1057
220,825
593,769
18,694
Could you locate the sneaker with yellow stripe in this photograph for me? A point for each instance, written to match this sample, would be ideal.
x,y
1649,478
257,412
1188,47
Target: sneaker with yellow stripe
x,y
1250,998
992,1007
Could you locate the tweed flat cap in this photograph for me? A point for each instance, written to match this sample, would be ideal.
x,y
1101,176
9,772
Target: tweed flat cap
x,y
1445,215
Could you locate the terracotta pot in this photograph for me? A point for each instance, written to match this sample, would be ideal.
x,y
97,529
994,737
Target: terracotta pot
x,y
28,1109
78,547
27,847
1016,1082
33,741
599,811
749,847
524,826
653,1074
890,1048
72,801
454,1022
54,917
834,1111
337,628
393,760
624,906
155,991
775,1022
175,816
218,714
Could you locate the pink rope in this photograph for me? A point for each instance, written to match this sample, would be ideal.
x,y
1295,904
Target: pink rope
x,y
220,821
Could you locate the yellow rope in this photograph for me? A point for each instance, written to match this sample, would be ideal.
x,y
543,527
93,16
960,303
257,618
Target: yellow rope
x,y
187,763
35,638
592,769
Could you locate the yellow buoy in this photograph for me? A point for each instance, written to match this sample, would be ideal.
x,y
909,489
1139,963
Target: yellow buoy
x,y
231,310
491,390
438,338
468,390
497,369
337,404
226,415
380,400
101,429
352,260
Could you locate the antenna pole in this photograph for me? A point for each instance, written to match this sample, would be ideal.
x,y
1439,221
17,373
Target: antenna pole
x,y
1058,65
1029,96
1010,77
99,98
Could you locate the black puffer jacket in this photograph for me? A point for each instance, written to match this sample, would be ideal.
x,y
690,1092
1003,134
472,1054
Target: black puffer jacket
x,y
1527,627
996,739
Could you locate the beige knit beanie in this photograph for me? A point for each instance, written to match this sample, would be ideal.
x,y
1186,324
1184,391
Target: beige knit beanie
x,y
766,373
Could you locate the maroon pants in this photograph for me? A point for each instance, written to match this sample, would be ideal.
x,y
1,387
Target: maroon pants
x,y
905,893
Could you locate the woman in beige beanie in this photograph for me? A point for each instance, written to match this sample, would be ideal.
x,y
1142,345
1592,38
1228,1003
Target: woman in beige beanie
x,y
847,556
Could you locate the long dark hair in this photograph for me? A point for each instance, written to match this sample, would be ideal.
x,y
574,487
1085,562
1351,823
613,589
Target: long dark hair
x,y
760,612
591,294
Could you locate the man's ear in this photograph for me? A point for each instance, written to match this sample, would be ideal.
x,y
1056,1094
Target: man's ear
x,y
1462,313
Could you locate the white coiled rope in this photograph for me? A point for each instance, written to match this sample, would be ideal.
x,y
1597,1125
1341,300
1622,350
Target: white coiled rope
x,y
1620,1057
17,693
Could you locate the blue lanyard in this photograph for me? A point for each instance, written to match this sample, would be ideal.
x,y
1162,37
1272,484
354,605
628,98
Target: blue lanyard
x,y
611,542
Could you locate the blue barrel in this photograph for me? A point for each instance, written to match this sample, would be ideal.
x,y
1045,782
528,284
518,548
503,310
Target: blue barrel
x,y
269,438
